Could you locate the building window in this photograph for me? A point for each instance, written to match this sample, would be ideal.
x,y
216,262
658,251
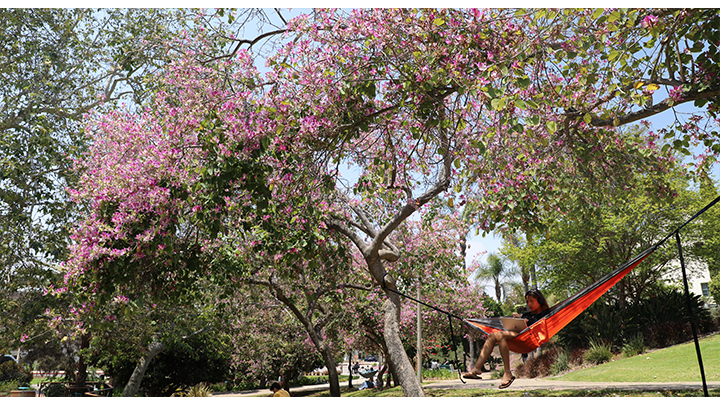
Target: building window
x,y
705,289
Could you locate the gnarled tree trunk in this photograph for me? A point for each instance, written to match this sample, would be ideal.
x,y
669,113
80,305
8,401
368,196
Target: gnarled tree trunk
x,y
133,385
396,352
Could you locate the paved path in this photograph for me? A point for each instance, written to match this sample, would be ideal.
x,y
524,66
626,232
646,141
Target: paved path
x,y
520,384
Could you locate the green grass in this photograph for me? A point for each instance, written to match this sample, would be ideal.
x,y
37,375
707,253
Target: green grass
x,y
447,393
672,364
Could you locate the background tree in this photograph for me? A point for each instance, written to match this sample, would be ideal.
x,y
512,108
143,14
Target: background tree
x,y
268,342
498,272
59,64
576,251
707,239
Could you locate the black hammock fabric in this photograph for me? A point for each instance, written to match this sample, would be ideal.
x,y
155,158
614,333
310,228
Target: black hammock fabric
x,y
560,314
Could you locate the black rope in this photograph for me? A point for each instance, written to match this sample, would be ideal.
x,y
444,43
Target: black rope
x,y
693,325
707,207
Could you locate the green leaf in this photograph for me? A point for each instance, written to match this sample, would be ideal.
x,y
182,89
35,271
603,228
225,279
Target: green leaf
x,y
551,126
587,118
439,21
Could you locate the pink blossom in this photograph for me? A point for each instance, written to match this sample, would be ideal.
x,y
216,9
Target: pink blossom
x,y
649,21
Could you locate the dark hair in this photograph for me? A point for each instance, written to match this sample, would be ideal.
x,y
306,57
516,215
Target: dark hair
x,y
275,386
539,297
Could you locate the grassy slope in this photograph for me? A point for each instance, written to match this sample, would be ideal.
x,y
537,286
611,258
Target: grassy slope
x,y
673,364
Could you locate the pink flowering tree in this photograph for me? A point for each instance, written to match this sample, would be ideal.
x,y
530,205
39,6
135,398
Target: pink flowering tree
x,y
268,342
510,110
194,190
427,102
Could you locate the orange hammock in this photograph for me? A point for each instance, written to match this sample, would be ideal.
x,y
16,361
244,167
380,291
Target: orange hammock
x,y
560,314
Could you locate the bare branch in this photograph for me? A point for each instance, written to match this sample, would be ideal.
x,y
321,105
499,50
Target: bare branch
x,y
250,43
666,104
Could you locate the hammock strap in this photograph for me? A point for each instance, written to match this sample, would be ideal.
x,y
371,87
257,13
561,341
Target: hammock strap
x,y
690,313
707,207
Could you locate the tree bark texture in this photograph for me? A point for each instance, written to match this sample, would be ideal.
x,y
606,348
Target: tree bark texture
x,y
133,385
471,346
81,375
396,352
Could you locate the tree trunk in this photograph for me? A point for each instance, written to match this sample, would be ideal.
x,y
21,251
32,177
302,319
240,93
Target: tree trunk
x,y
81,375
132,387
393,373
350,370
323,348
379,383
471,346
534,276
286,380
396,352
332,369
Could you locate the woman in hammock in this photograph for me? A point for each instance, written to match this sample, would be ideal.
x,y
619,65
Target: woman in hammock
x,y
538,308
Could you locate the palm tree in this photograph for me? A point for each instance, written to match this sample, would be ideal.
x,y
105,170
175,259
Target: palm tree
x,y
497,272
527,272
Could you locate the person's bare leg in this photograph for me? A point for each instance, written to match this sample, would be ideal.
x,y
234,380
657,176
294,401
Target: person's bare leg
x,y
505,354
484,353
498,338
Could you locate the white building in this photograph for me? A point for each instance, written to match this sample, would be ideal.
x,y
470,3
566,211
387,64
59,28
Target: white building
x,y
698,279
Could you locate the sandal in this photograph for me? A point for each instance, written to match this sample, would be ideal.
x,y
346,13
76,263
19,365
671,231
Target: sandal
x,y
506,383
472,376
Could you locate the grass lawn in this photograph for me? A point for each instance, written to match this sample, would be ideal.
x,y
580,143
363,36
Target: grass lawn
x,y
672,364
600,393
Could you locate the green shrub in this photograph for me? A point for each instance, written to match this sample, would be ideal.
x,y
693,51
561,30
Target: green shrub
x,y
198,390
599,352
53,390
7,386
439,374
12,371
183,363
660,316
562,362
634,346
601,321
538,366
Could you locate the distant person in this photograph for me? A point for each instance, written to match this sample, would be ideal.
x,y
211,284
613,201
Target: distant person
x,y
278,390
367,384
538,308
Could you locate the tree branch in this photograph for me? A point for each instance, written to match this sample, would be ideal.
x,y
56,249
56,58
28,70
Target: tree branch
x,y
666,104
250,43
